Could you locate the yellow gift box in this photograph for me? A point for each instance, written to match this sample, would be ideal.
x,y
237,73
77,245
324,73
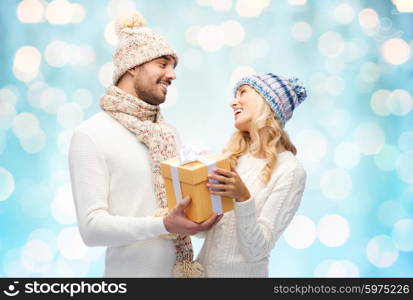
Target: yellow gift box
x,y
191,179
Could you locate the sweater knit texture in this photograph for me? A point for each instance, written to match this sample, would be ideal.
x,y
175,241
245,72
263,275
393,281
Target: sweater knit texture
x,y
241,243
115,199
145,120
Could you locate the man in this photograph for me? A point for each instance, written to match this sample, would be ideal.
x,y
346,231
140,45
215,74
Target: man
x,y
114,165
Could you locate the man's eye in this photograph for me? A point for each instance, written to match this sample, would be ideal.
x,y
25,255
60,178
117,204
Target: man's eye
x,y
241,92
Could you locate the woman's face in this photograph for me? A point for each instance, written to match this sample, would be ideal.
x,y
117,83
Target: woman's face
x,y
245,105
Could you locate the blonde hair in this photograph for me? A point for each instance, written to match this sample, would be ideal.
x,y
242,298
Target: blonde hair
x,y
267,132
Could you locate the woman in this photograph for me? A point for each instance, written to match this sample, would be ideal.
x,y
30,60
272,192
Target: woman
x,y
266,180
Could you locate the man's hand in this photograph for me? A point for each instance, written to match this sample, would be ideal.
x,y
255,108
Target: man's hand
x,y
177,222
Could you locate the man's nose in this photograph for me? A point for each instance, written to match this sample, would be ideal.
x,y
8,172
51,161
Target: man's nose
x,y
171,74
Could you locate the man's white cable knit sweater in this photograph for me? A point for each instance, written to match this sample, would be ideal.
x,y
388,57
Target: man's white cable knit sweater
x,y
240,244
115,199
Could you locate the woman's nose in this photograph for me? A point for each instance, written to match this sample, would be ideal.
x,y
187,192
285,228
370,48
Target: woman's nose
x,y
233,103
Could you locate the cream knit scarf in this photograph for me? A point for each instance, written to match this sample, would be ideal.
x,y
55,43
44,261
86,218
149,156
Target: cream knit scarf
x,y
146,122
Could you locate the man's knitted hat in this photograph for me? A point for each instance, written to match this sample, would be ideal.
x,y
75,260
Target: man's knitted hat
x,y
137,44
282,94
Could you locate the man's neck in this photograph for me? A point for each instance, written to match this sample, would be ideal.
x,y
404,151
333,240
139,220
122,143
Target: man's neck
x,y
127,88
131,91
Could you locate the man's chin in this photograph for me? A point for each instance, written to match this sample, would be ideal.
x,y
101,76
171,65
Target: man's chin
x,y
159,98
155,100
162,97
162,100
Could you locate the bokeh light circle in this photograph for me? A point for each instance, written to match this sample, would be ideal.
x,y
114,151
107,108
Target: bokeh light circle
x,y
382,251
300,233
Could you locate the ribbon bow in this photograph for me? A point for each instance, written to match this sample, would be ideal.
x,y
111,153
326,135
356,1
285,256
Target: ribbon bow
x,y
186,155
189,154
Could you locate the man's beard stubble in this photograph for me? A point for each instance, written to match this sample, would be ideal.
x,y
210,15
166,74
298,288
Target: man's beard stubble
x,y
147,96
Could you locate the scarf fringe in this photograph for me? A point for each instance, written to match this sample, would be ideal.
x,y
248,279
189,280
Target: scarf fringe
x,y
187,269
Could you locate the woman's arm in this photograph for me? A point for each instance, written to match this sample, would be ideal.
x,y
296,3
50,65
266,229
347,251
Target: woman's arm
x,y
257,234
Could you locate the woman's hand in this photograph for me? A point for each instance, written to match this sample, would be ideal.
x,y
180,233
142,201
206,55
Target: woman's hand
x,y
229,185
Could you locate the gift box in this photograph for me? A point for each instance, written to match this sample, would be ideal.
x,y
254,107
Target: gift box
x,y
190,179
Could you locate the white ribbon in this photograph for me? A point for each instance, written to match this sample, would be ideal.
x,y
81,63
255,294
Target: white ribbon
x,y
216,200
187,155
190,154
175,181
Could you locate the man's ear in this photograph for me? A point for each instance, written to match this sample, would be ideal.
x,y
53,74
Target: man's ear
x,y
132,72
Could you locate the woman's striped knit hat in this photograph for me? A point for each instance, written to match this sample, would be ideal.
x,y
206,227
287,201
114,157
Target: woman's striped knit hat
x,y
282,94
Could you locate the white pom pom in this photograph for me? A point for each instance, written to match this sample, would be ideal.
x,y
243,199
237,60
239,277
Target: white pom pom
x,y
133,20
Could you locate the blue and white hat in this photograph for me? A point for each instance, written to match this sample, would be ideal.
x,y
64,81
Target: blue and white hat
x,y
282,94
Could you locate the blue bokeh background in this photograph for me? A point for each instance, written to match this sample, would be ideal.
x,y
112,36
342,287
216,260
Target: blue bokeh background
x,y
354,132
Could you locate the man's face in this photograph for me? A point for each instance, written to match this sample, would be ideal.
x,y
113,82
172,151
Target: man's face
x,y
152,79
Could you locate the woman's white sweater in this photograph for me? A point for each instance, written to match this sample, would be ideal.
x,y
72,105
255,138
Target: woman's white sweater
x,y
241,243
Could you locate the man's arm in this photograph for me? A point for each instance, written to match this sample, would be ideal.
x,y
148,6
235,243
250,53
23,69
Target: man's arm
x,y
90,186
